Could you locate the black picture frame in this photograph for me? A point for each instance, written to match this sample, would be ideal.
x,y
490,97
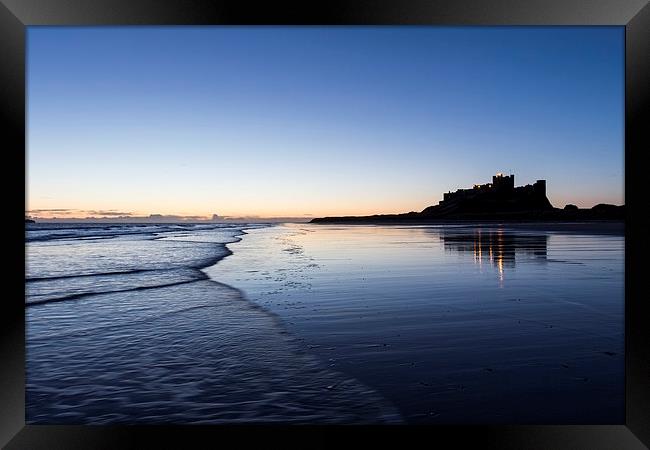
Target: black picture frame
x,y
16,15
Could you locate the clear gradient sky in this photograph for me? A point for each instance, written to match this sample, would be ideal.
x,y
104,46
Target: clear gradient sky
x,y
312,121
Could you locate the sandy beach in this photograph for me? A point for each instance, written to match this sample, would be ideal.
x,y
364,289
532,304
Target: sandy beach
x,y
452,324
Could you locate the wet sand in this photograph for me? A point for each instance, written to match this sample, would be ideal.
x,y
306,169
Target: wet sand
x,y
615,228
453,324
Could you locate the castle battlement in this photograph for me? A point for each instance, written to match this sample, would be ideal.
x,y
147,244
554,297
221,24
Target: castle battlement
x,y
502,186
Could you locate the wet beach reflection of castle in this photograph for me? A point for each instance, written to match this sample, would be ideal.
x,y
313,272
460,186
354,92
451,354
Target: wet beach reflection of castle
x,y
496,247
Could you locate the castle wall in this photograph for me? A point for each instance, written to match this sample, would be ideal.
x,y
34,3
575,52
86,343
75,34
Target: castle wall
x,y
500,184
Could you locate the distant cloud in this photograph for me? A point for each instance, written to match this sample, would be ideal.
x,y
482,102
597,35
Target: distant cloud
x,y
176,218
110,212
112,215
51,210
258,219
77,212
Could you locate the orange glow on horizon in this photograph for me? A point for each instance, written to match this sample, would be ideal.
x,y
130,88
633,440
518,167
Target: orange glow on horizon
x,y
205,205
83,210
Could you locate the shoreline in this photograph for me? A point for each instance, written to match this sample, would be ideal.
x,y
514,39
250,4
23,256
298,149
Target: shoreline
x,y
607,227
392,414
252,340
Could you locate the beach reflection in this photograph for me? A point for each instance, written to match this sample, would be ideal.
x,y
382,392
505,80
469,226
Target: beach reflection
x,y
496,247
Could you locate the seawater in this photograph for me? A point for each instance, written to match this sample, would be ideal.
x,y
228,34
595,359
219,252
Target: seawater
x,y
300,323
123,326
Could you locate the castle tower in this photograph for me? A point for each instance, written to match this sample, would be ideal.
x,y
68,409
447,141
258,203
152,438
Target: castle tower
x,y
503,182
540,187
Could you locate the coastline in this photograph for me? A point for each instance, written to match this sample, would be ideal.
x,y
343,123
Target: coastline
x,y
389,413
240,364
291,325
600,227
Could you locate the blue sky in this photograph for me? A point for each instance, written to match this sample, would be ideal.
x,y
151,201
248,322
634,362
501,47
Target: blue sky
x,y
280,121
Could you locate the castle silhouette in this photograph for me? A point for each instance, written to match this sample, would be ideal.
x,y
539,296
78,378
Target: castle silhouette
x,y
500,196
499,200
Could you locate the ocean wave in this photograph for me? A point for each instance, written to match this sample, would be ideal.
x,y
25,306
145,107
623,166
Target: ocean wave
x,y
183,354
34,302
83,275
53,231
